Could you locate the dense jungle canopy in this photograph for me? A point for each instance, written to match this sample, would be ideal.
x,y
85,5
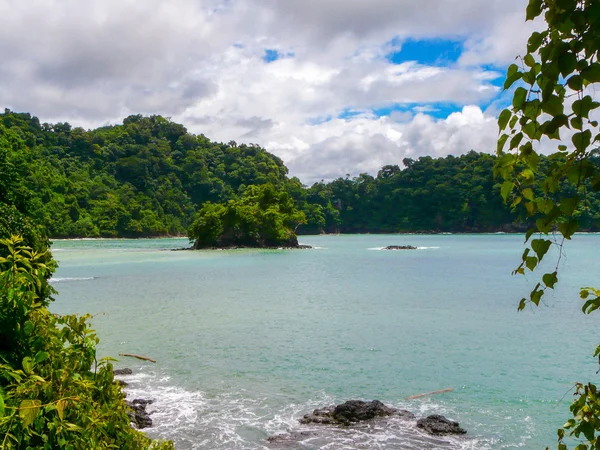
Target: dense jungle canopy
x,y
149,177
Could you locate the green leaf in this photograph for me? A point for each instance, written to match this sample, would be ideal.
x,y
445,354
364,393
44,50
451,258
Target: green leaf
x,y
501,141
60,408
515,141
41,356
28,411
550,279
582,140
27,365
506,189
534,9
510,80
569,228
529,60
534,42
540,247
529,233
568,205
567,63
553,105
519,97
575,82
1,405
536,295
512,69
503,119
592,73
528,193
531,262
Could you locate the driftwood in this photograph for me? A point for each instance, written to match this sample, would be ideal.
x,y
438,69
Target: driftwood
x,y
145,358
441,391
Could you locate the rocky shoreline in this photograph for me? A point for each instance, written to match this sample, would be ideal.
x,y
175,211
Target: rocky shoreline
x,y
346,414
138,416
241,247
355,411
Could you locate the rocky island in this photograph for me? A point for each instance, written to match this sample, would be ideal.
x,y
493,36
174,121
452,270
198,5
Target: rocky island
x,y
263,217
400,247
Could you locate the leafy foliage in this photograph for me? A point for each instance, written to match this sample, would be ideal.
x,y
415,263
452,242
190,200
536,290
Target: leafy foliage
x,y
555,100
262,217
149,176
53,392
146,177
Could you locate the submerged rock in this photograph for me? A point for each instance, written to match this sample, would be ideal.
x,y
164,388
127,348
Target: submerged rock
x,y
125,371
400,247
439,425
138,414
288,439
353,411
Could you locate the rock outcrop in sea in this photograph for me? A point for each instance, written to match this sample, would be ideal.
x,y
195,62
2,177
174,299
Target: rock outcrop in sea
x,y
439,425
400,247
353,411
138,416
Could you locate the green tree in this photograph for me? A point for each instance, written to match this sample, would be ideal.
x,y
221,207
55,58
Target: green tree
x,y
54,393
262,217
555,101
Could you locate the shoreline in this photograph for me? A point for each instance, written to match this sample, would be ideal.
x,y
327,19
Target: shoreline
x,y
412,233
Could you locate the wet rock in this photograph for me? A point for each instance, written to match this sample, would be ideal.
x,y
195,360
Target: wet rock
x,y
288,439
138,414
353,411
125,371
322,416
400,247
439,425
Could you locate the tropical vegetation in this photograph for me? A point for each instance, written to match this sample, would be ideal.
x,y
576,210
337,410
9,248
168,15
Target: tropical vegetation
x,y
54,392
555,101
149,177
262,217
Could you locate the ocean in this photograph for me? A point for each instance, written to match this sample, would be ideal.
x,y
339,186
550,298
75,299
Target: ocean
x,y
247,341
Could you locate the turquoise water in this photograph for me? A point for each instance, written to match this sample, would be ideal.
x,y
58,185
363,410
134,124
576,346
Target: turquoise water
x,y
247,341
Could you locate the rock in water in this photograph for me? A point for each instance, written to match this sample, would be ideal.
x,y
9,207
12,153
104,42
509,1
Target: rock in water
x,y
353,411
400,247
138,414
125,371
439,425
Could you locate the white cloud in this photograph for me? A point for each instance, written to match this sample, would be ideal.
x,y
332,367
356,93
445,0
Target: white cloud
x,y
95,62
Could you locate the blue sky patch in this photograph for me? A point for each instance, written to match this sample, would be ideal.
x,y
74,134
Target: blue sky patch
x,y
438,52
437,110
271,55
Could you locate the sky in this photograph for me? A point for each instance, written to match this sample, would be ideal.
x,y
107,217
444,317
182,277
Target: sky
x,y
333,87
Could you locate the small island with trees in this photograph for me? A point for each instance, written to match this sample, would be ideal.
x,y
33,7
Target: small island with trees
x,y
263,217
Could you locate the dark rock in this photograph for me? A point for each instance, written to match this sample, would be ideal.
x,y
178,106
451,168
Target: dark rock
x,y
400,247
288,439
138,414
439,425
120,383
125,371
323,416
353,411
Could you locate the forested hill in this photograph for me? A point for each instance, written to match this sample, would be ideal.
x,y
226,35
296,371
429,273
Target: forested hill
x,y
149,176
